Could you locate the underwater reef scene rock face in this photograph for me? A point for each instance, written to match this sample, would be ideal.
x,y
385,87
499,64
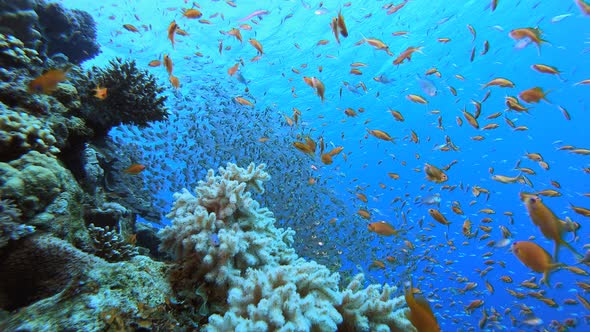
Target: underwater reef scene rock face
x,y
252,277
48,285
50,29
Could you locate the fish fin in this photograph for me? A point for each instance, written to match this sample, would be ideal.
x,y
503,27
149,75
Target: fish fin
x,y
569,246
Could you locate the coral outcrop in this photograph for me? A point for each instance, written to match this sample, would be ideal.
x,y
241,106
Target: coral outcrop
x,y
50,29
56,287
134,97
223,239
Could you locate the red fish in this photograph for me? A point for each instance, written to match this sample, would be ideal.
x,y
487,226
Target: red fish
x,y
47,83
134,169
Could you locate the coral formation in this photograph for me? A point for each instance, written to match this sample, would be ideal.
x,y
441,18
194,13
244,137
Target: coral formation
x,y
21,132
10,229
71,32
50,29
222,237
57,287
134,97
109,244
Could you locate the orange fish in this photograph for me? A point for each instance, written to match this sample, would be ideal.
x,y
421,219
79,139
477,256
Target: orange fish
x,y
533,35
174,81
533,95
434,173
47,82
168,64
549,224
342,25
407,54
315,83
191,13
534,257
244,102
134,169
256,45
231,71
101,93
155,63
382,228
420,314
130,27
172,31
236,33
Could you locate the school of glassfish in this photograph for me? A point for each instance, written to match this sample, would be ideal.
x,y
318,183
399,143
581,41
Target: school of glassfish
x,y
527,249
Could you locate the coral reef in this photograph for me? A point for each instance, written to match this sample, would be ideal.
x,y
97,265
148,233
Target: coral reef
x,y
71,32
224,239
57,287
10,229
21,132
109,244
134,97
50,29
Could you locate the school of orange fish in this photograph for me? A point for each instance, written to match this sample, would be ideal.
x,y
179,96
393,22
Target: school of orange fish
x,y
407,236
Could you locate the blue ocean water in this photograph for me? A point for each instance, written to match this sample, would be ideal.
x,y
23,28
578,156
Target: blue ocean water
x,y
443,261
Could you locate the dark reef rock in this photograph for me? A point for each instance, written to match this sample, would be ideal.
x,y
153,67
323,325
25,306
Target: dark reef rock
x,y
50,29
71,32
134,97
48,285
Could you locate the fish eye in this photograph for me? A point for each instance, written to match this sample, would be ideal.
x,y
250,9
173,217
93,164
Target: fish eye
x,y
533,200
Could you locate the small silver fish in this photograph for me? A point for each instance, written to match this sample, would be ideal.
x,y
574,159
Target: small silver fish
x,y
430,200
427,86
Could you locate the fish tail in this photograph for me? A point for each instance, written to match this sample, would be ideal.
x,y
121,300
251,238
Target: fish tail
x,y
545,279
569,246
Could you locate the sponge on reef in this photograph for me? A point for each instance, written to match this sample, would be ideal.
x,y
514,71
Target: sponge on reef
x,y
234,247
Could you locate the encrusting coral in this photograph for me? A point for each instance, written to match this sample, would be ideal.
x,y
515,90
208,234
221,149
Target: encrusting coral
x,y
232,245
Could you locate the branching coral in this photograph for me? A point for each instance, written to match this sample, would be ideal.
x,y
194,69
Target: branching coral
x,y
134,97
223,237
109,244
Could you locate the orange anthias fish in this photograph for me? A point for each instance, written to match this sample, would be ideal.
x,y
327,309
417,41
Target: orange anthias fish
x,y
533,95
407,54
172,31
130,27
434,174
191,13
47,82
168,64
236,33
420,314
256,45
528,35
134,169
101,93
174,81
315,83
382,228
534,257
244,102
551,227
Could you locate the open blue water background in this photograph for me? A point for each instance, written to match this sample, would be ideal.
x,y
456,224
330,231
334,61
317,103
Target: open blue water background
x,y
368,159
